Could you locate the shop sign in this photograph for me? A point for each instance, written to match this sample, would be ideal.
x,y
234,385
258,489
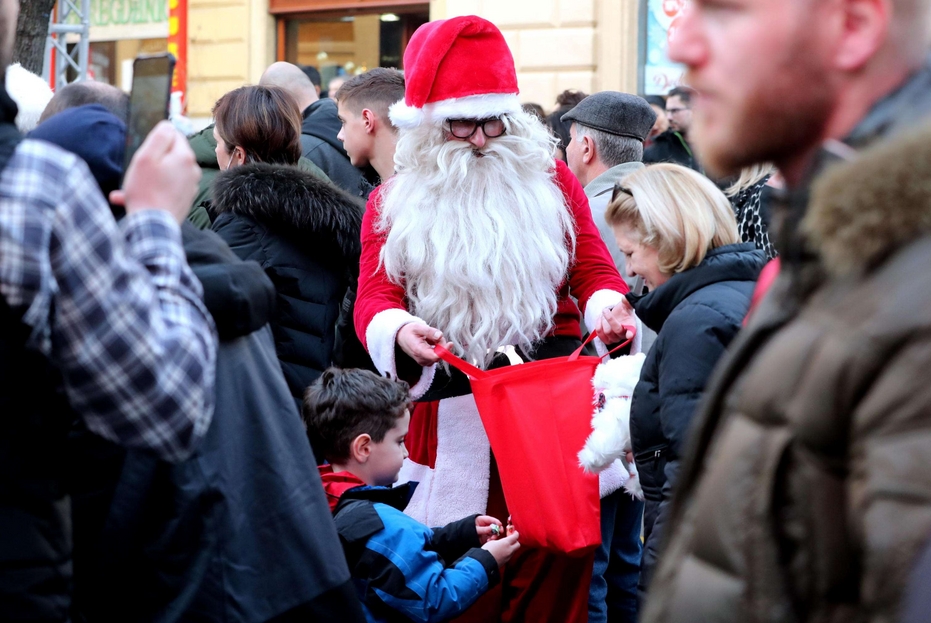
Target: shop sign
x,y
122,12
112,20
659,73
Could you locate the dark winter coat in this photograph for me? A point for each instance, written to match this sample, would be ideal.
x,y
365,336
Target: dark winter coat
x,y
696,314
320,145
305,235
671,146
806,493
239,532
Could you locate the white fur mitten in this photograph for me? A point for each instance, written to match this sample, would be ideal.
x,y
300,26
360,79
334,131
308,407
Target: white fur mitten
x,y
613,384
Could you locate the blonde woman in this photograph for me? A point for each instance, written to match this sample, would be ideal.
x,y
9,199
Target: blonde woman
x,y
678,232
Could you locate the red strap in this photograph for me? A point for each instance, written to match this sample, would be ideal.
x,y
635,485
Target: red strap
x,y
463,366
594,334
469,370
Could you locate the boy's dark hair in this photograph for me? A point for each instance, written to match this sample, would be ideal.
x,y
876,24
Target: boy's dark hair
x,y
377,89
345,403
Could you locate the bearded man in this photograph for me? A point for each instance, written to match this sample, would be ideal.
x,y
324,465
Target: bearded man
x,y
806,494
478,241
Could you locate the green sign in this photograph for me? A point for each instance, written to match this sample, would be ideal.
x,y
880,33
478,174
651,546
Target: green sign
x,y
128,12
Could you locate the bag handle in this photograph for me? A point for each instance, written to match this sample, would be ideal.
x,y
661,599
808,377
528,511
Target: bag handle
x,y
594,334
469,370
460,364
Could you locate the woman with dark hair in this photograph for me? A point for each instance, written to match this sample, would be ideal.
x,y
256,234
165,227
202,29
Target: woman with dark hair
x,y
303,231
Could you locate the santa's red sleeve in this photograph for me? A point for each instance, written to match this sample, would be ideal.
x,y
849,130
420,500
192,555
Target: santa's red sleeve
x,y
381,305
593,277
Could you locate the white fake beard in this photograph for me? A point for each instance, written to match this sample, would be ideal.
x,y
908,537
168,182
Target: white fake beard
x,y
480,243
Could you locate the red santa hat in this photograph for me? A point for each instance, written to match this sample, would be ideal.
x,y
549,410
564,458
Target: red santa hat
x,y
459,68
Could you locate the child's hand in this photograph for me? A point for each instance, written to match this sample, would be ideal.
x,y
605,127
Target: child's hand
x,y
488,529
502,549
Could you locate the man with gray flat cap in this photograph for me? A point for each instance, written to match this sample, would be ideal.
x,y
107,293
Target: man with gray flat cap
x,y
607,134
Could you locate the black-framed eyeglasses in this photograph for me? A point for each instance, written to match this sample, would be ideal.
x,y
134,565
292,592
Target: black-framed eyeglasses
x,y
465,128
618,189
675,111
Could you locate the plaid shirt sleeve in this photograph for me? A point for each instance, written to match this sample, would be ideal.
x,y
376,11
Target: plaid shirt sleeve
x,y
119,312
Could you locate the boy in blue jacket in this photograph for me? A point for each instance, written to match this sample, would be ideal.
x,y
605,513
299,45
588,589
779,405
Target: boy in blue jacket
x,y
402,570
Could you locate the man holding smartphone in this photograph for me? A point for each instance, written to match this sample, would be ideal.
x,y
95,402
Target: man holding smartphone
x,y
98,319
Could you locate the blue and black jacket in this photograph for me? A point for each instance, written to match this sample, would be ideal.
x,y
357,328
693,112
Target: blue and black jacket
x,y
403,570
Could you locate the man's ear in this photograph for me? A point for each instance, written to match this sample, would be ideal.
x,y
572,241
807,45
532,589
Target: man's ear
x,y
865,30
361,448
588,150
369,120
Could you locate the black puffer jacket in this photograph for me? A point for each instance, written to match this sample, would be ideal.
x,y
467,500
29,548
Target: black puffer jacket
x,y
695,314
305,234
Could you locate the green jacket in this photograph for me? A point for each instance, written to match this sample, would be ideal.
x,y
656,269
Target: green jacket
x,y
204,146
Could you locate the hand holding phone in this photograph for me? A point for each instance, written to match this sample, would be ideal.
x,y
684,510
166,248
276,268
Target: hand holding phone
x,y
148,101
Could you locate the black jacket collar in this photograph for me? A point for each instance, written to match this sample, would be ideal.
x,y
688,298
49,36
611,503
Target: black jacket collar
x,y
733,262
291,202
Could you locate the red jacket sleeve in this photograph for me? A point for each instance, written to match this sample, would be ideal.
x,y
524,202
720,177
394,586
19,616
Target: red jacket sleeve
x,y
592,269
376,292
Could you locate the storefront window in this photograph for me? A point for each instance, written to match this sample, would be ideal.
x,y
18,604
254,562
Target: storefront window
x,y
347,45
659,73
112,61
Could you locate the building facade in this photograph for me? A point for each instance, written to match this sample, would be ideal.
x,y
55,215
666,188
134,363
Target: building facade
x,y
587,45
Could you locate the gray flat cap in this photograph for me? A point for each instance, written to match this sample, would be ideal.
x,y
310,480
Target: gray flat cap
x,y
616,113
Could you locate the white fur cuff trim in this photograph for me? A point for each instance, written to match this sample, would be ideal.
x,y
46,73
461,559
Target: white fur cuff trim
x,y
380,338
597,303
471,107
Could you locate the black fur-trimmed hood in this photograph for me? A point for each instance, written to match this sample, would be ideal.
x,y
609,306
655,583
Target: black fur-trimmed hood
x,y
862,211
292,202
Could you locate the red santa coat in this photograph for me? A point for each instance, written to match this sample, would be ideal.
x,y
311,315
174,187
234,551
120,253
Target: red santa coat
x,y
450,455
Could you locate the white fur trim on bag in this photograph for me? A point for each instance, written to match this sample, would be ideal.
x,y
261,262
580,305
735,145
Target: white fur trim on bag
x,y
471,107
597,303
458,487
380,338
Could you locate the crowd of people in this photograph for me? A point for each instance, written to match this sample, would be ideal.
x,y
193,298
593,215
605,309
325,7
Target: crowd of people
x,y
220,377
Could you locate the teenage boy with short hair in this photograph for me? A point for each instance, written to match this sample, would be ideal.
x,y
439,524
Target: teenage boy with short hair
x,y
368,135
399,565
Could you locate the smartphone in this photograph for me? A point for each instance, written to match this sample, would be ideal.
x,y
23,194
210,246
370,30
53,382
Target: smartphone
x,y
148,101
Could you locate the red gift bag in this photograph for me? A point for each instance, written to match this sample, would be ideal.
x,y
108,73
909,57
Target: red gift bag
x,y
537,416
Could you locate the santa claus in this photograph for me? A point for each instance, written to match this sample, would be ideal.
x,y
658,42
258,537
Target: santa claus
x,y
484,242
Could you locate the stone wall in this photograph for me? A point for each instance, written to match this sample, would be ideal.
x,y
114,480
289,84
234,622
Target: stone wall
x,y
589,45
231,42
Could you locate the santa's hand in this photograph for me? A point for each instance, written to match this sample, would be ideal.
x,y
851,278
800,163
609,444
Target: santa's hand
x,y
611,323
488,529
417,340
